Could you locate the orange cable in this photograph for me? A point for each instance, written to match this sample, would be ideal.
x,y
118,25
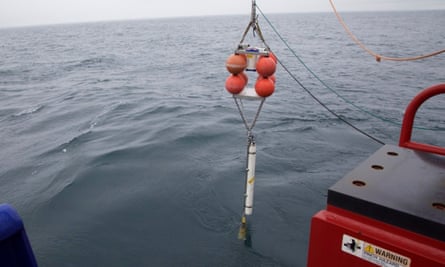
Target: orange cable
x,y
378,57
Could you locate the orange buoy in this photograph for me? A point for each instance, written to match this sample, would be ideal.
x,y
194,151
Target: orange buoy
x,y
236,63
235,84
272,77
272,55
266,66
264,87
245,77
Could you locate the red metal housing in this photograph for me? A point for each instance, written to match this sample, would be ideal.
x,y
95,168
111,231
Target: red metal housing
x,y
389,211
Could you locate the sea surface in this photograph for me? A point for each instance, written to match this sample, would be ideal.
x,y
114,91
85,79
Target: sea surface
x,y
121,147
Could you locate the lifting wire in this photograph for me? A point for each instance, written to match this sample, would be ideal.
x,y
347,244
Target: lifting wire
x,y
378,57
253,24
329,88
328,109
309,92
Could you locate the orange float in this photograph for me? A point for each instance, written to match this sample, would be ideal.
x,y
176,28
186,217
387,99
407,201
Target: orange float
x,y
272,55
245,77
235,84
264,87
266,66
236,63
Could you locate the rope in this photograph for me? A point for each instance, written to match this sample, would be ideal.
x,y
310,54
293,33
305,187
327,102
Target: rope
x,y
332,90
377,56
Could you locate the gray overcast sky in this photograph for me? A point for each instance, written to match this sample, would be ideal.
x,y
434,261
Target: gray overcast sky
x,y
34,12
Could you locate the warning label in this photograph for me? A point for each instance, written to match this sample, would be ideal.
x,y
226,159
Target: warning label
x,y
372,253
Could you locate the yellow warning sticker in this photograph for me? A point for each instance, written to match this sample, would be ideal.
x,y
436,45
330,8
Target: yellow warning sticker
x,y
372,253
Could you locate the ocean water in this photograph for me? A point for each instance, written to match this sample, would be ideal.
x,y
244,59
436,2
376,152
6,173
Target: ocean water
x,y
120,146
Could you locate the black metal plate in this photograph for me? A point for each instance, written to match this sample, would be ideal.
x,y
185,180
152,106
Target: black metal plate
x,y
398,186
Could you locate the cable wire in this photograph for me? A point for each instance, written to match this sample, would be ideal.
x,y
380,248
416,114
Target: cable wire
x,y
326,107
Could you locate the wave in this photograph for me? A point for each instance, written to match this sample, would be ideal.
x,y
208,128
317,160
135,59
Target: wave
x,y
28,111
101,62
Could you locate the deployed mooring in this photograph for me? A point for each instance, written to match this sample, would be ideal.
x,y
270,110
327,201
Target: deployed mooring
x,y
250,59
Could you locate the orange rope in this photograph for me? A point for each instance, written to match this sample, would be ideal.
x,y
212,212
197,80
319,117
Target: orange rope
x,y
378,57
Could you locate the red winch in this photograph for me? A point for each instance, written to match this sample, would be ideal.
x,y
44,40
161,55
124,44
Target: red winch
x,y
390,210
